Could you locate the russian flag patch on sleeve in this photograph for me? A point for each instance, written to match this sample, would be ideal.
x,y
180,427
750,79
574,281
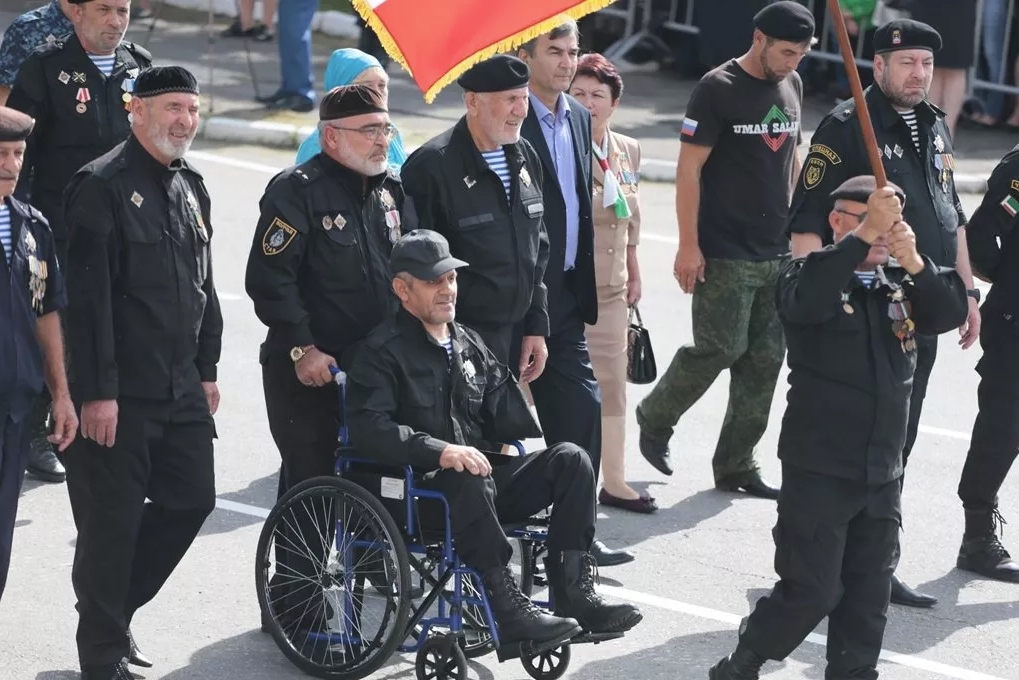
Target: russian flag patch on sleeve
x,y
689,127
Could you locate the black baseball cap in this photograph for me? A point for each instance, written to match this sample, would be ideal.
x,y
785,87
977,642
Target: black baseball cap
x,y
424,254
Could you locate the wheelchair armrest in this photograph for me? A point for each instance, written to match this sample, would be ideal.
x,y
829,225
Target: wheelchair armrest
x,y
518,446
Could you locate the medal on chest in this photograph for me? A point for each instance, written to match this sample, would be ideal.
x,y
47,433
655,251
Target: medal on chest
x,y
197,212
899,312
83,98
37,274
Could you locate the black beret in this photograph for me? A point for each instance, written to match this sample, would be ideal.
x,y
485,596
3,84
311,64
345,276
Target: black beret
x,y
860,188
498,74
424,254
15,126
906,34
77,2
786,20
351,100
157,80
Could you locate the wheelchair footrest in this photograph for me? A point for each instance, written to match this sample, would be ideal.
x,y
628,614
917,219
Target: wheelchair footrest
x,y
594,638
528,648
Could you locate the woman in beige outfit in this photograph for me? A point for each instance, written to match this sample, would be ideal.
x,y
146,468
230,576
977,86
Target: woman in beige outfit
x,y
598,87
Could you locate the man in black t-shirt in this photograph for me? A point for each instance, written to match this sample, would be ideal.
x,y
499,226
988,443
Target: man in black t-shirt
x,y
736,170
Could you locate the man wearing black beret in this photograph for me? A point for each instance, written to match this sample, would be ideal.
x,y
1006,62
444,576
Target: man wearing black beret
x,y
736,168
144,332
30,338
916,149
851,314
77,87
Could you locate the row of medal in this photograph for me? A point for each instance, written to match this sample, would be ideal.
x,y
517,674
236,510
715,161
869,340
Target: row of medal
x,y
898,311
37,274
84,96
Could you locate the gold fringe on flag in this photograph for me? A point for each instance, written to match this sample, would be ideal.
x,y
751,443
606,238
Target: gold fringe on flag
x,y
505,45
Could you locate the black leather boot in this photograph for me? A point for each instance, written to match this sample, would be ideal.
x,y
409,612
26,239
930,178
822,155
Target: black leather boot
x,y
42,462
517,617
981,551
572,583
907,597
742,664
137,657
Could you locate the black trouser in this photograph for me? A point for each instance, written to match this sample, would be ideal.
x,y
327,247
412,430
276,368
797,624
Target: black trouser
x,y
995,439
127,548
926,353
517,489
14,438
836,546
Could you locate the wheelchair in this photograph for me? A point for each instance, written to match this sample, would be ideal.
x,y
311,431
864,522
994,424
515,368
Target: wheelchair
x,y
347,575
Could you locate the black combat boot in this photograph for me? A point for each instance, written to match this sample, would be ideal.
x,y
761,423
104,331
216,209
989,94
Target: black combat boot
x,y
572,583
517,617
981,551
42,461
742,664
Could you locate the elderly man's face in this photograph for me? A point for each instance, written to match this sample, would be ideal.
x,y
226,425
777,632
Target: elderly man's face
x,y
847,216
498,115
101,24
169,121
12,155
433,302
360,143
905,76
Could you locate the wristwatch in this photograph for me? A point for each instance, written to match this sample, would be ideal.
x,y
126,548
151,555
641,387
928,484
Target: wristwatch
x,y
297,353
974,293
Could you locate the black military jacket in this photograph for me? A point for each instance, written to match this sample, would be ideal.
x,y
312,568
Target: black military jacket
x,y
80,114
318,271
837,153
994,240
31,285
144,317
457,194
849,376
406,401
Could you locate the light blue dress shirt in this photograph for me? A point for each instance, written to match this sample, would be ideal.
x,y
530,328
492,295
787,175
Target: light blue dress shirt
x,y
559,138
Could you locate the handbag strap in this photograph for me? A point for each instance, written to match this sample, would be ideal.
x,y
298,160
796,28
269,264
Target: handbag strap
x,y
635,312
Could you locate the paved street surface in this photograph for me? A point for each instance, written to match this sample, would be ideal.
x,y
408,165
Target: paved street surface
x,y
703,559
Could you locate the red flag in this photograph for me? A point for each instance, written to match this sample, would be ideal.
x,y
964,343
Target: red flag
x,y
437,40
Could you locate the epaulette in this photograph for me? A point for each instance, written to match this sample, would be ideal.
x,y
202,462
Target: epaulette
x,y
48,49
844,111
392,175
382,335
940,113
308,171
27,210
190,168
137,50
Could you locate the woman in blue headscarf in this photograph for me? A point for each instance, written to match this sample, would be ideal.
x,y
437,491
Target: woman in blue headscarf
x,y
350,67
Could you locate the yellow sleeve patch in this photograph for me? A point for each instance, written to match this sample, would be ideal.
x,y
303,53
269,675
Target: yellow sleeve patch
x,y
827,152
813,172
277,237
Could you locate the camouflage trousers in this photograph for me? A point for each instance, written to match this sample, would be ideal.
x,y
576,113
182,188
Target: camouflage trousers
x,y
735,327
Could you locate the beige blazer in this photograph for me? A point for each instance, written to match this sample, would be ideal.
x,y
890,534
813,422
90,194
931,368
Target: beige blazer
x,y
612,235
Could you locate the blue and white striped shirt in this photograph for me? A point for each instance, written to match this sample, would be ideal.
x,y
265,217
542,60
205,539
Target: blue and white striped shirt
x,y
447,344
103,62
497,161
6,235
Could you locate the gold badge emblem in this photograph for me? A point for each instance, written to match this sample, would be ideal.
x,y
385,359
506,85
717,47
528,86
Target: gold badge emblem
x,y
64,77
277,237
939,143
30,242
387,199
327,223
137,199
813,172
339,222
524,177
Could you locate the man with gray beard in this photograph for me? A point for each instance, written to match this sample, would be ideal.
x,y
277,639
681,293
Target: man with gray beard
x,y
145,329
916,151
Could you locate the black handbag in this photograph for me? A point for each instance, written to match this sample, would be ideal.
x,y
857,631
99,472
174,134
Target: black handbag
x,y
640,358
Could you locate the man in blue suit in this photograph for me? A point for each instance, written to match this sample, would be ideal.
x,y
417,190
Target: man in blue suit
x,y
566,394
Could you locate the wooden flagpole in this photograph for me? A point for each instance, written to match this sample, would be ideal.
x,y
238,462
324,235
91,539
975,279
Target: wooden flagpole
x,y
862,113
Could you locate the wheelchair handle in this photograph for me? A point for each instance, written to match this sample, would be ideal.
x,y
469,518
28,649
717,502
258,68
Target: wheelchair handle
x,y
339,377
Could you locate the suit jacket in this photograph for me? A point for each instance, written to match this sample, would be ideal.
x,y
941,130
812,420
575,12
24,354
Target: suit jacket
x,y
555,217
611,234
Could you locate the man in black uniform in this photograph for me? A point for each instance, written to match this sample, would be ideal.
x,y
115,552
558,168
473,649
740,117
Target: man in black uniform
x,y
318,273
144,329
994,249
851,318
479,185
917,153
31,297
78,89
397,415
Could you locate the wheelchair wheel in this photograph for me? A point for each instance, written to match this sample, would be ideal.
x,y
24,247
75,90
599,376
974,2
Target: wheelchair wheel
x,y
441,658
321,545
548,665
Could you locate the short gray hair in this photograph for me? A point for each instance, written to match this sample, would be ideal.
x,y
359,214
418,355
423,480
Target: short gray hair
x,y
564,30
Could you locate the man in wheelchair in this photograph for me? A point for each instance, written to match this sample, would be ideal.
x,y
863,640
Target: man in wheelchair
x,y
425,391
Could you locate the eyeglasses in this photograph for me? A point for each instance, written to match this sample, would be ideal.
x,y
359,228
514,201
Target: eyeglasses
x,y
372,132
859,216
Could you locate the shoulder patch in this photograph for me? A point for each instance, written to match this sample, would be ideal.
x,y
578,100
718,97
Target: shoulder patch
x,y
48,49
138,51
308,171
813,172
844,111
827,152
277,237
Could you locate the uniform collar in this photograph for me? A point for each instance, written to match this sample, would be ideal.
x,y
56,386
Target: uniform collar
x,y
461,138
146,162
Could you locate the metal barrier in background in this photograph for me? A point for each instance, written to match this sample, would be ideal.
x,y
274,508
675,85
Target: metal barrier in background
x,y
640,29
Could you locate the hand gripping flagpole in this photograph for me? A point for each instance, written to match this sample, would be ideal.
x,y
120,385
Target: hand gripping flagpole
x,y
862,114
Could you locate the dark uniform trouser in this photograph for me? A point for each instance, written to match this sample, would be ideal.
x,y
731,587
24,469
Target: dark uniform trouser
x,y
127,548
520,487
13,449
995,439
926,353
735,327
836,546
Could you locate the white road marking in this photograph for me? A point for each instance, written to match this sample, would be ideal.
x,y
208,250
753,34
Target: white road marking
x,y
230,297
233,162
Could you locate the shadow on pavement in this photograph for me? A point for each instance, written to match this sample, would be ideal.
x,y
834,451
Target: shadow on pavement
x,y
621,525
260,493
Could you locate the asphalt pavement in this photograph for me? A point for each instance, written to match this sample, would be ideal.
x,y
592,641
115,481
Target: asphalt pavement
x,y
703,559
